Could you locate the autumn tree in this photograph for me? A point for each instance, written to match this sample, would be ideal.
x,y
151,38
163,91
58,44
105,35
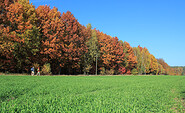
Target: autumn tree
x,y
84,37
106,51
140,61
119,57
111,54
146,56
161,70
130,59
177,70
4,4
51,30
154,65
45,37
6,47
20,33
165,66
146,62
74,43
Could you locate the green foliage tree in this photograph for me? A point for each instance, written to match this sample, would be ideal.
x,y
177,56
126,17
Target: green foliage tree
x,y
140,61
93,50
183,73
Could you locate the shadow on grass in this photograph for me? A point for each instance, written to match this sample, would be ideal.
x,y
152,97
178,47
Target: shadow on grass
x,y
183,95
13,94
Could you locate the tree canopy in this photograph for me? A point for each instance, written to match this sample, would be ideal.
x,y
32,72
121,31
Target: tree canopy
x,y
38,36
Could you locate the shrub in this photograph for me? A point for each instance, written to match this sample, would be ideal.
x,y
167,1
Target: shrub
x,y
46,69
106,71
110,72
122,70
87,69
102,72
134,71
35,65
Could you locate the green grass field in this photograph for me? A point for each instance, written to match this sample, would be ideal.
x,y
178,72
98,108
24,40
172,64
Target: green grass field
x,y
92,94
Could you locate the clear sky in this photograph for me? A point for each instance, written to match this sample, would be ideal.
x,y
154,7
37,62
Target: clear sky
x,y
158,25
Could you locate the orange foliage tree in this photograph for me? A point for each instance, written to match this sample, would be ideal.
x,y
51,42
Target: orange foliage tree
x,y
19,33
51,28
74,43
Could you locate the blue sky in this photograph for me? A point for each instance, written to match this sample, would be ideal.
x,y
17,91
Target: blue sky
x,y
158,25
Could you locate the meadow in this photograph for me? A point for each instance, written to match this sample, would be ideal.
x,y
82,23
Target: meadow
x,y
92,94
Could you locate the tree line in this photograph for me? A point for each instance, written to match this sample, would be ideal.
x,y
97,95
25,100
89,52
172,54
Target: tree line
x,y
55,41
